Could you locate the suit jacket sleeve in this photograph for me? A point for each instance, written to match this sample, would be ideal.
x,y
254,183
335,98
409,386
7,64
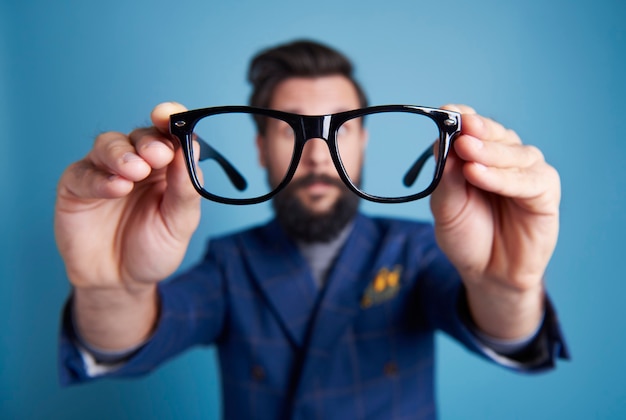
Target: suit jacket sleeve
x,y
445,305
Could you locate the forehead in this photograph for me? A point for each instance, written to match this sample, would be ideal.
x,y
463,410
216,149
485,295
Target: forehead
x,y
315,95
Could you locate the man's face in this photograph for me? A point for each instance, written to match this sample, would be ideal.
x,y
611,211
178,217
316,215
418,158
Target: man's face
x,y
314,96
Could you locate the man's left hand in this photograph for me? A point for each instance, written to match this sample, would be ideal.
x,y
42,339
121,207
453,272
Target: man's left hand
x,y
496,215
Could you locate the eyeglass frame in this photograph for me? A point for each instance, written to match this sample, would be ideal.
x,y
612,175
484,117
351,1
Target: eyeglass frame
x,y
307,127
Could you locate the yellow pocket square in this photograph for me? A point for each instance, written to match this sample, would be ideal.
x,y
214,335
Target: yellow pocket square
x,y
385,286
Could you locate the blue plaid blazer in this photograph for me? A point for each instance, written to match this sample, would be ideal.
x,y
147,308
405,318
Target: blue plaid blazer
x,y
363,347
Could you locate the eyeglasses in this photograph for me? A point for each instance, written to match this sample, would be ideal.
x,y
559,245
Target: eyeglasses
x,y
403,160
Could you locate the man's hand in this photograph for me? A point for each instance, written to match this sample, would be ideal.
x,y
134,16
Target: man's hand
x,y
497,218
123,219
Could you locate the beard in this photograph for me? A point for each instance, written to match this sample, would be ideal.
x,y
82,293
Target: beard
x,y
304,225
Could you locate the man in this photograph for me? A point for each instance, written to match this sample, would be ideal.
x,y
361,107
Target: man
x,y
292,306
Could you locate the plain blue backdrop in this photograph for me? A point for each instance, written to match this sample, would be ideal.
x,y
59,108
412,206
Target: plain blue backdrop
x,y
552,70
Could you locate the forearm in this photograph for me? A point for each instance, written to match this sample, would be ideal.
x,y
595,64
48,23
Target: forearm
x,y
504,312
114,318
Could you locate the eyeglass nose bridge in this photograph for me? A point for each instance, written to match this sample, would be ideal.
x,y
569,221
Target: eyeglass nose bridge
x,y
316,127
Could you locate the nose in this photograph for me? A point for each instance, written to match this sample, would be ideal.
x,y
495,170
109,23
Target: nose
x,y
315,154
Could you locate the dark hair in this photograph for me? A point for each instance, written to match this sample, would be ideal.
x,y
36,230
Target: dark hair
x,y
302,58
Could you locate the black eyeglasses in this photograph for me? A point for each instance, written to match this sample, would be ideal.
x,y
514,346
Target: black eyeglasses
x,y
384,154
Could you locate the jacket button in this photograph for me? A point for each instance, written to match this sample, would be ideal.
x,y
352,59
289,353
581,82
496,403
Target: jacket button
x,y
258,373
390,369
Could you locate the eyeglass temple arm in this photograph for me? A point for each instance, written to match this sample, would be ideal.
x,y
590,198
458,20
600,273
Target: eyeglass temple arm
x,y
208,152
416,168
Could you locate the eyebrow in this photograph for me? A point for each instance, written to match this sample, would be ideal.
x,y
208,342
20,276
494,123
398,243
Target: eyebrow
x,y
296,110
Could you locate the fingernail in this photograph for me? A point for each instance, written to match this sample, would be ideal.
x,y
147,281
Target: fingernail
x,y
129,157
480,167
476,142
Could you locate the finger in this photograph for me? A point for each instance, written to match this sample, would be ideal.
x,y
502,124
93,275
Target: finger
x,y
496,154
181,202
113,153
155,144
152,146
481,127
537,182
180,195
460,108
83,180
160,115
487,129
451,195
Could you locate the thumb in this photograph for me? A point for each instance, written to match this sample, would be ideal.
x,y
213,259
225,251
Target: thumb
x,y
160,115
181,202
451,195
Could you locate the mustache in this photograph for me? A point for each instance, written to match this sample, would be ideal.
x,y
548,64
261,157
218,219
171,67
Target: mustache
x,y
311,179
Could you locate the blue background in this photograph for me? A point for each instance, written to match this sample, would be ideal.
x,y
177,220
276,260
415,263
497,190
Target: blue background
x,y
553,70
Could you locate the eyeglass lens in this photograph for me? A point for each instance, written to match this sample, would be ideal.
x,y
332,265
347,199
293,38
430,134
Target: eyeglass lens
x,y
396,141
233,137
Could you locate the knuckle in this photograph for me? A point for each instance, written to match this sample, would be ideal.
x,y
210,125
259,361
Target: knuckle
x,y
465,109
495,129
115,151
534,153
108,145
461,108
554,175
107,137
80,169
140,132
114,145
512,136
142,136
548,181
451,107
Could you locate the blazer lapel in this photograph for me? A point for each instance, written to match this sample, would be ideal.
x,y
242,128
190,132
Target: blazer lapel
x,y
283,277
341,301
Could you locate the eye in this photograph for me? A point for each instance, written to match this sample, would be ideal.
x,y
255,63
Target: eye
x,y
348,128
280,130
343,131
286,131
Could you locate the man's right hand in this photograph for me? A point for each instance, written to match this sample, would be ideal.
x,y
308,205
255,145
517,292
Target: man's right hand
x,y
123,220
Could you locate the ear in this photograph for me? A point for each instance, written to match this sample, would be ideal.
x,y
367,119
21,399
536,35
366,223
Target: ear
x,y
260,147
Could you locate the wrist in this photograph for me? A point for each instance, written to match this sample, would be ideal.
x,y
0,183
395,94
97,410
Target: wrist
x,y
505,312
115,318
